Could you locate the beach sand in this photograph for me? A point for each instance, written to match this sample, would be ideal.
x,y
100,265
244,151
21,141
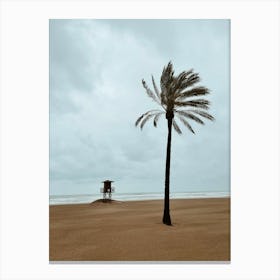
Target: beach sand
x,y
133,231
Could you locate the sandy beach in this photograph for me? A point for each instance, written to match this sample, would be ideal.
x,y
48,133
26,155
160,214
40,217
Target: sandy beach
x,y
132,231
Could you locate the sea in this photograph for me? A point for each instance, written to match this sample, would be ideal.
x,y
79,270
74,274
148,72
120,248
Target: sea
x,y
87,198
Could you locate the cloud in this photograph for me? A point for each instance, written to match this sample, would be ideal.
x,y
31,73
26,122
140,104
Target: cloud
x,y
96,67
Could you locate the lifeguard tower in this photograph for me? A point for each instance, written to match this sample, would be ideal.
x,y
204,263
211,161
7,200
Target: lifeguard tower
x,y
107,190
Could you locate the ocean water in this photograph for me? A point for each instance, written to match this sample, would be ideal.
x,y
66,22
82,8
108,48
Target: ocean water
x,y
87,198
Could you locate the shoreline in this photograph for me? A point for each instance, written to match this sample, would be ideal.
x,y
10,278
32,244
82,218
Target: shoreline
x,y
133,231
152,199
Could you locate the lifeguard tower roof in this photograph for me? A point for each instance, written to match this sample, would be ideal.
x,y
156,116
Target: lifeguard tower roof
x,y
107,181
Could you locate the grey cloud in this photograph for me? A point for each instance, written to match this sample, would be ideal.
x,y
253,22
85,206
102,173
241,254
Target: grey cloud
x,y
96,67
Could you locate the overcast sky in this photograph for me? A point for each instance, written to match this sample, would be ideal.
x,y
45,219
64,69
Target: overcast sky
x,y
96,95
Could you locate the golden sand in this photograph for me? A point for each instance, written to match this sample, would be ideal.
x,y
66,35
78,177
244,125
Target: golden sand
x,y
133,231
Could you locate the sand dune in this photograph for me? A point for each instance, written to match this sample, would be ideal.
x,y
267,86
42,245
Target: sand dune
x,y
132,231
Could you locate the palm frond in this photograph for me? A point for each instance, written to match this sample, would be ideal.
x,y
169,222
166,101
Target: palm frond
x,y
183,75
176,127
202,114
190,116
166,78
155,88
142,116
181,79
196,91
198,103
145,119
189,80
150,92
163,99
192,79
186,124
175,96
139,119
156,118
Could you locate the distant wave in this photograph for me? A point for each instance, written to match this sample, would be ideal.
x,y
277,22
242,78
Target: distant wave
x,y
86,198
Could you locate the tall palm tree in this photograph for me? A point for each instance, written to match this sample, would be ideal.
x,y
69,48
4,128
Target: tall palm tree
x,y
177,97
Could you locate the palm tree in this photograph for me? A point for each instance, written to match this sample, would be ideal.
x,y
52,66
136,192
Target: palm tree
x,y
177,97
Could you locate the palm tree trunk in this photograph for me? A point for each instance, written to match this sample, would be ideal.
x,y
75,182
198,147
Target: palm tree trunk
x,y
166,215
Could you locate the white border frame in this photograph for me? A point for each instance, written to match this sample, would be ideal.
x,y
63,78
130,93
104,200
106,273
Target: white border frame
x,y
254,131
